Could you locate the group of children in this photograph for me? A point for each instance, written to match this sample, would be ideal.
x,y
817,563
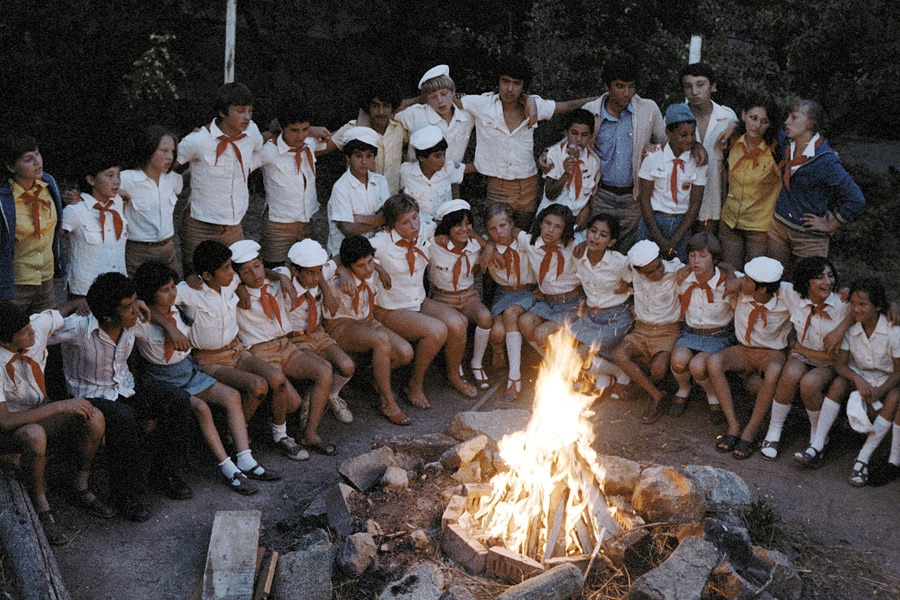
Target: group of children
x,y
397,279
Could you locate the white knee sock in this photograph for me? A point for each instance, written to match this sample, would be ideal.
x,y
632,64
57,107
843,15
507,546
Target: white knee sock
x,y
895,446
604,366
828,414
228,468
881,428
337,382
603,381
813,422
279,431
479,345
776,423
514,353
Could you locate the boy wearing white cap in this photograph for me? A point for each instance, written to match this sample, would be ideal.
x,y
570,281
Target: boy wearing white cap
x,y
762,322
431,180
265,328
656,327
358,195
310,271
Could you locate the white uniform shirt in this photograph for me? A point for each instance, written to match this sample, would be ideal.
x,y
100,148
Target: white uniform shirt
x,y
430,193
701,313
351,197
872,357
518,271
214,314
444,262
407,290
813,337
254,326
93,249
599,280
457,132
590,177
771,334
657,167
22,391
363,309
656,302
719,120
390,151
299,312
219,193
290,193
555,282
500,152
150,211
151,341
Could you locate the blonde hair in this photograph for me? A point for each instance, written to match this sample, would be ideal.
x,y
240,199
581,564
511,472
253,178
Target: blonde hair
x,y
438,83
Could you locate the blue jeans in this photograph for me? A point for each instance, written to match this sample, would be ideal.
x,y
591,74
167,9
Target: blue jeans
x,y
667,225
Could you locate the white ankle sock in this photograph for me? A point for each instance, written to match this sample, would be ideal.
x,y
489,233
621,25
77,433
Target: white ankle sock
x,y
479,345
895,446
813,422
514,353
776,423
279,431
881,428
828,414
228,468
713,400
337,382
245,460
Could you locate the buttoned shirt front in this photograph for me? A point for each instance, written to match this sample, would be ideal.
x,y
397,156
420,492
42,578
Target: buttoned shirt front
x,y
363,309
219,192
390,151
214,314
589,165
720,119
351,197
299,312
657,167
22,391
813,337
93,249
701,312
457,132
517,270
290,192
255,326
554,283
444,264
500,152
601,279
151,205
407,289
615,146
33,251
872,357
753,186
430,193
771,332
656,302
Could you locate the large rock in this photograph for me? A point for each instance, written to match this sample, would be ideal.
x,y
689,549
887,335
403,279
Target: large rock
x,y
428,446
785,582
734,542
365,470
305,574
682,576
664,494
394,478
728,584
559,583
457,592
622,475
425,582
357,553
463,452
338,509
494,424
723,489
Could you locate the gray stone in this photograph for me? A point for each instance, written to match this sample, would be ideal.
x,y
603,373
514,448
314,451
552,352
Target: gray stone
x,y
394,478
357,553
410,462
420,539
683,575
559,583
494,424
365,470
305,574
433,468
338,509
424,582
372,527
428,446
785,582
734,543
457,592
728,584
319,505
723,488
664,494
468,473
463,452
622,475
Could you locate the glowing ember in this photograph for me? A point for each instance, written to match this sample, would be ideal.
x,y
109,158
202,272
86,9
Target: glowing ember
x,y
550,502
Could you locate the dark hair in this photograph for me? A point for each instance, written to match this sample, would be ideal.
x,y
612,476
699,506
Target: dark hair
x,y
559,210
145,147
106,294
150,277
517,67
452,220
698,69
874,289
810,268
358,145
14,146
441,145
292,113
232,94
813,111
385,91
354,248
397,205
615,228
673,126
12,319
705,240
98,161
209,256
579,116
771,286
621,67
773,113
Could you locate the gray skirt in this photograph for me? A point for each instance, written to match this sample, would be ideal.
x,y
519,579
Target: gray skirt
x,y
185,375
704,342
504,299
604,328
559,312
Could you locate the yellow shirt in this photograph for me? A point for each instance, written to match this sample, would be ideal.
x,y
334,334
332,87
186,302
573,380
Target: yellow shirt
x,y
753,187
33,254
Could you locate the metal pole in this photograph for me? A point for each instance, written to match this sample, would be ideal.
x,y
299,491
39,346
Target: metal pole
x,y
694,54
230,26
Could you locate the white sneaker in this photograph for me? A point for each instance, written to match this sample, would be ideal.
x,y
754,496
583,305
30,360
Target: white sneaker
x,y
288,448
339,408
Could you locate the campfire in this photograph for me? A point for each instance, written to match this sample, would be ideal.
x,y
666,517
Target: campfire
x,y
549,503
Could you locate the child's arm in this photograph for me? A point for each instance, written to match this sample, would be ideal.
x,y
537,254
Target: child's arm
x,y
646,190
10,421
287,286
329,300
570,105
582,217
179,340
689,217
832,341
361,225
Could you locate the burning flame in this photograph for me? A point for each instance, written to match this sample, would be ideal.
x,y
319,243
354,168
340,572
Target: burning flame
x,y
549,503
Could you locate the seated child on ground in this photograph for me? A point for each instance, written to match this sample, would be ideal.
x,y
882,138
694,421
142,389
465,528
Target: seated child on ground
x,y
431,180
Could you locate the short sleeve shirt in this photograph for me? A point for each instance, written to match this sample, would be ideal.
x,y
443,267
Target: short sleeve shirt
x,y
407,289
657,167
290,190
457,132
872,357
351,197
600,279
214,314
151,207
93,249
430,193
572,195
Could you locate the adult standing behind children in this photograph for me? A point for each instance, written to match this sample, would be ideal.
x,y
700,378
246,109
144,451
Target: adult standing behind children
x,y
30,245
221,157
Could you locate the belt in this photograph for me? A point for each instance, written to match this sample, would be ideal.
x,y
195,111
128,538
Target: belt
x,y
150,244
468,290
558,297
665,214
513,288
229,346
616,189
296,335
711,331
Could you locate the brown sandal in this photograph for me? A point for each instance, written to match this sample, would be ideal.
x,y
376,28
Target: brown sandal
x,y
393,413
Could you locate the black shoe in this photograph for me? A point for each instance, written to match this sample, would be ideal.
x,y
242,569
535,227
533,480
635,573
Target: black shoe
x,y
174,486
132,508
884,475
655,410
51,530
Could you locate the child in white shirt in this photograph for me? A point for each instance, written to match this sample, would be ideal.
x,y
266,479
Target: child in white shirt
x,y
431,180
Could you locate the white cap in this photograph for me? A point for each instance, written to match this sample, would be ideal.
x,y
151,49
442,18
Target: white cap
x,y
366,135
308,253
643,253
763,269
438,71
426,137
244,251
452,206
858,415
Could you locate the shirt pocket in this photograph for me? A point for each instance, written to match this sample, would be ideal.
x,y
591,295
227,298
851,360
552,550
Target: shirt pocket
x,y
93,233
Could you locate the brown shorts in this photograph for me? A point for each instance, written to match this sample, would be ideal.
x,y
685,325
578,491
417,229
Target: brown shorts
x,y
341,329
521,195
457,300
277,238
757,357
36,298
229,357
137,253
316,341
652,339
193,232
280,352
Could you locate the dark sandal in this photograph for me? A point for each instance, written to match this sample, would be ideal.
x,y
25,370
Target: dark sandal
x,y
322,448
260,473
87,501
859,476
392,413
744,449
770,445
717,417
726,442
678,406
54,535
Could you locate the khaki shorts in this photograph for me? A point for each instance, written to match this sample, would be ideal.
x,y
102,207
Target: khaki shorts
x,y
35,298
280,352
784,243
757,357
277,238
193,232
137,253
341,329
231,356
652,339
520,195
457,300
316,341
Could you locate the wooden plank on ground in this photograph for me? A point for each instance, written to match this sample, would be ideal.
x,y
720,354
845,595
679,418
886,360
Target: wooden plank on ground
x,y
265,576
232,555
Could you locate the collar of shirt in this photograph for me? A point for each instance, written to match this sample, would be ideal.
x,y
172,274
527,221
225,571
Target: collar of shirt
x,y
882,327
18,190
359,185
283,147
93,329
420,241
5,356
715,281
669,156
604,260
810,149
606,116
498,111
